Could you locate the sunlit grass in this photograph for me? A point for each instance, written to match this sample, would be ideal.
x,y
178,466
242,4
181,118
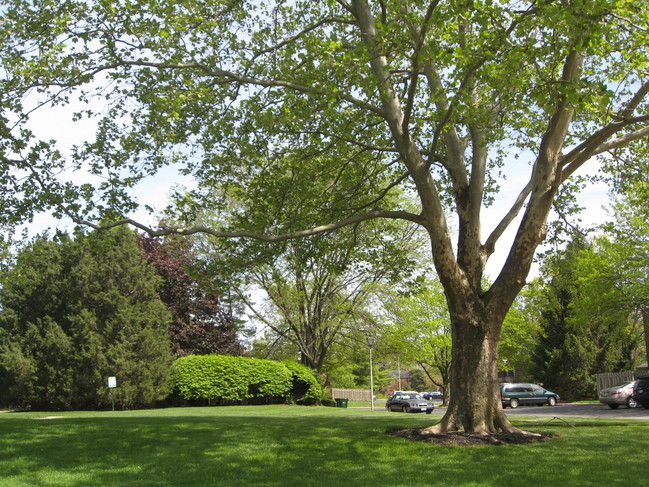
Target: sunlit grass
x,y
305,446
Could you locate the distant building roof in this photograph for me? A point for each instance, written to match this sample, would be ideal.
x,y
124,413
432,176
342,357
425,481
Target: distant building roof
x,y
404,374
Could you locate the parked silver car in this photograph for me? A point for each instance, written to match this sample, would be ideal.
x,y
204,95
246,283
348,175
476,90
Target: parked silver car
x,y
619,395
409,402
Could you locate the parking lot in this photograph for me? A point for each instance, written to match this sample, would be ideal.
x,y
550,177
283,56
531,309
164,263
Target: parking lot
x,y
590,410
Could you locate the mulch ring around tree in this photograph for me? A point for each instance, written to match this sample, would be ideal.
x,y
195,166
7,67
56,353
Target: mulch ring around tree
x,y
461,438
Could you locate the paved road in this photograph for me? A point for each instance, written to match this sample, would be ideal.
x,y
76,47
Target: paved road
x,y
594,410
597,410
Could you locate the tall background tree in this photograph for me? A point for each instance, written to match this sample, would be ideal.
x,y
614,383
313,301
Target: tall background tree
x,y
318,289
585,326
521,330
202,322
418,331
626,254
429,97
74,311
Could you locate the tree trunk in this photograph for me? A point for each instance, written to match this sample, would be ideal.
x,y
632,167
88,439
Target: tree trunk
x,y
475,404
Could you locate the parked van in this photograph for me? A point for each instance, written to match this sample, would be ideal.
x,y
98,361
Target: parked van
x,y
514,395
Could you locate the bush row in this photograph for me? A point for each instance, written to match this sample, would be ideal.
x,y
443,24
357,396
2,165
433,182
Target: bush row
x,y
223,377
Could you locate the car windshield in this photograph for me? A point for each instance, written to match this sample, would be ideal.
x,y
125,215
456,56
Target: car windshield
x,y
411,396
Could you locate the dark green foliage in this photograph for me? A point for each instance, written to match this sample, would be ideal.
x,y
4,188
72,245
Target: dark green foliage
x,y
306,388
76,311
222,377
580,335
418,380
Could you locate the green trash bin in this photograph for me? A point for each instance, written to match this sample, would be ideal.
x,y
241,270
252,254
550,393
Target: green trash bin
x,y
341,402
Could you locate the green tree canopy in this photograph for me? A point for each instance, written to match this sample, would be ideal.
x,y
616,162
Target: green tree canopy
x,y
521,329
321,287
627,253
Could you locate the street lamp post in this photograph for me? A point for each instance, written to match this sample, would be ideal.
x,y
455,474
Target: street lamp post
x,y
370,342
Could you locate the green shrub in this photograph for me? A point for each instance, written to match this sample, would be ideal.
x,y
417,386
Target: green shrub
x,y
265,379
209,377
222,377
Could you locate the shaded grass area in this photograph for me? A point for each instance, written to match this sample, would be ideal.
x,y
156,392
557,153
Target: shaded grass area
x,y
305,446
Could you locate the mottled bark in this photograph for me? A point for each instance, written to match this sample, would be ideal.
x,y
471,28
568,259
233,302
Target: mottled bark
x,y
474,404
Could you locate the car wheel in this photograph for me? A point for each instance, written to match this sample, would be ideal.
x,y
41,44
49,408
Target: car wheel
x,y
552,401
631,403
513,403
429,411
613,406
645,405
406,409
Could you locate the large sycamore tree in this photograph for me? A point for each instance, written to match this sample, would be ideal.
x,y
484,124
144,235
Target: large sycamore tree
x,y
325,108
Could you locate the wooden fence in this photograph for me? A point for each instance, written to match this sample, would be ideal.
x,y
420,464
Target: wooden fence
x,y
352,394
614,378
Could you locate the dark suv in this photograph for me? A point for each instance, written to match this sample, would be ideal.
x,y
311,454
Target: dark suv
x,y
641,391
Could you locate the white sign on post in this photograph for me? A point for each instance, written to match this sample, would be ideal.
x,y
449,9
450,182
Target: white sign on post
x,y
112,382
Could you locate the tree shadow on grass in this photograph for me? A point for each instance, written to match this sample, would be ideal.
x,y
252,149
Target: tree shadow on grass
x,y
273,450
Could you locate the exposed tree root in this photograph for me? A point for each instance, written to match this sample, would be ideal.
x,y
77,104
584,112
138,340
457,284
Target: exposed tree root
x,y
462,438
442,428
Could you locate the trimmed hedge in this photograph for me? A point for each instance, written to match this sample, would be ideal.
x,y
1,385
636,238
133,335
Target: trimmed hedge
x,y
223,377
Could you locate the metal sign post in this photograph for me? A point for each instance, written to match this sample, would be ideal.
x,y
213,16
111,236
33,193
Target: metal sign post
x,y
112,384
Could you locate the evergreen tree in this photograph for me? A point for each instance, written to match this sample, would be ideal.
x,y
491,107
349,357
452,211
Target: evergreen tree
x,y
76,311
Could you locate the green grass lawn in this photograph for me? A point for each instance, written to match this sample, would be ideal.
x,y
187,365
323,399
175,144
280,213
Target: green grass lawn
x,y
301,446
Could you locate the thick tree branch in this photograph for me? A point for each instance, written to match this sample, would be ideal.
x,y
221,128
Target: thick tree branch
x,y
490,244
372,215
572,161
622,141
599,143
419,33
545,180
